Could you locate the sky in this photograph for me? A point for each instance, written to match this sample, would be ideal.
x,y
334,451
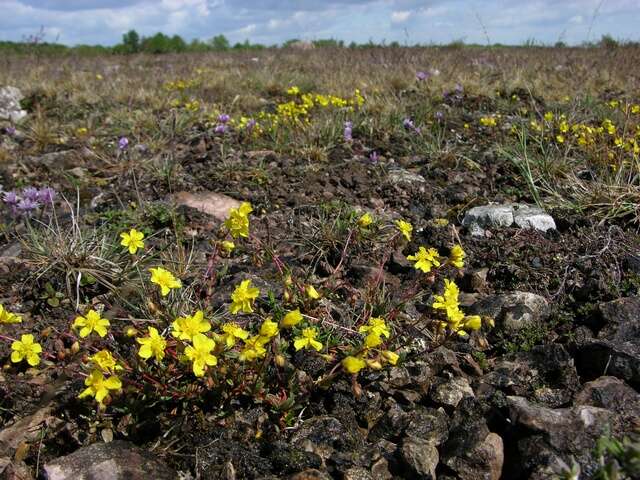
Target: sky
x,y
274,21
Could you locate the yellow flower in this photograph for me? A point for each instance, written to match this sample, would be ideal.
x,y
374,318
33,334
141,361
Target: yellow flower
x,y
232,332
7,317
26,348
376,326
152,346
228,246
238,221
98,387
372,340
390,357
365,220
488,121
93,322
548,116
293,90
308,339
456,257
185,328
560,138
448,301
405,228
268,329
292,318
105,361
440,222
200,354
425,259
164,279
243,297
353,364
312,293
132,240
472,322
253,349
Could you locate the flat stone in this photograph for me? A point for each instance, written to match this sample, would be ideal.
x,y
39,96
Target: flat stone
x,y
400,175
215,204
116,460
478,219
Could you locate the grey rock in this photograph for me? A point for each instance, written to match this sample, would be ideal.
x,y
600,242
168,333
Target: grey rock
x,y
547,373
116,460
483,460
478,219
428,424
420,458
357,473
450,392
400,175
613,394
10,108
551,435
616,349
534,218
513,311
323,435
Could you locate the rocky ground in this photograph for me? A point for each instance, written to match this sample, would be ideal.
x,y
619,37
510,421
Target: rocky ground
x,y
531,398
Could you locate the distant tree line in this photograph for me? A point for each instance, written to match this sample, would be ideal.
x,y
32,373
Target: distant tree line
x,y
160,43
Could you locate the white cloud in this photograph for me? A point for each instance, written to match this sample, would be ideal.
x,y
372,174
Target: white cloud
x,y
400,17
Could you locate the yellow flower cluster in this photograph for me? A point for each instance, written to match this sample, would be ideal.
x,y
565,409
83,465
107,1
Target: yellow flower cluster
x,y
369,355
457,321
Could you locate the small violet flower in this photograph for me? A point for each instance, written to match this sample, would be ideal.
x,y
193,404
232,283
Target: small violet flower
x,y
221,128
408,124
439,116
10,130
30,193
123,143
11,198
374,157
27,206
223,118
348,131
47,195
422,76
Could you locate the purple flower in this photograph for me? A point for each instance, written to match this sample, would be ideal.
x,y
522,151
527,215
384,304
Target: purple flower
x,y
11,198
439,116
348,131
422,76
10,130
459,89
223,118
374,157
408,124
251,124
221,128
30,193
26,205
123,143
47,195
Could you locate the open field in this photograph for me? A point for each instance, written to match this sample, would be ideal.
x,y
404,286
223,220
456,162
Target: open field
x,y
496,351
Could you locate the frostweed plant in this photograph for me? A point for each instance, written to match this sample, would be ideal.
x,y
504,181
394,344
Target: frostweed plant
x,y
251,345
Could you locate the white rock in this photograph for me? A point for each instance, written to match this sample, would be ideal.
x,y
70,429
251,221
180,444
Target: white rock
x,y
10,108
478,219
525,216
